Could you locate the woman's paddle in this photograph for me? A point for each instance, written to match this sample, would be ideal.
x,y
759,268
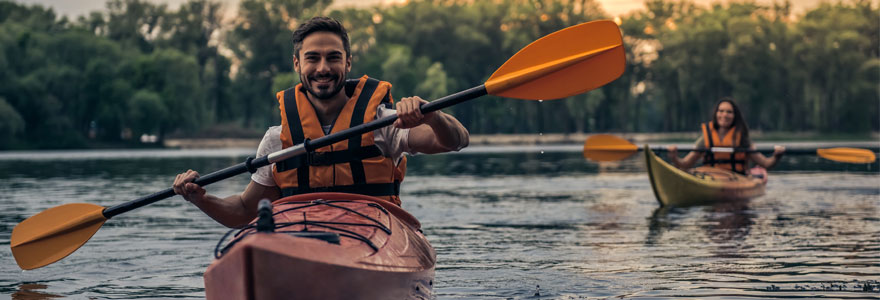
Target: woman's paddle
x,y
568,62
606,147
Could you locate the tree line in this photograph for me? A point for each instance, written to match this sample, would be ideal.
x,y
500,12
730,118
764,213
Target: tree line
x,y
143,68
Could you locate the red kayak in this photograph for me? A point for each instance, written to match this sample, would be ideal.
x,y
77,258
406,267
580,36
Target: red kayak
x,y
326,246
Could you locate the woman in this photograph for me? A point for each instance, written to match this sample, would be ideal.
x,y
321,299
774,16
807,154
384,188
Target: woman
x,y
727,129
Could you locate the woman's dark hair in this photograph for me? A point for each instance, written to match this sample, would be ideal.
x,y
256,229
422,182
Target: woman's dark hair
x,y
738,120
318,24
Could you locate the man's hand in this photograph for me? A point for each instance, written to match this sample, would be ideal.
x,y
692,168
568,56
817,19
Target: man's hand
x,y
409,115
184,186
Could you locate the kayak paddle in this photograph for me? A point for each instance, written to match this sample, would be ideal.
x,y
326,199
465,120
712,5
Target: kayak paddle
x,y
568,62
606,147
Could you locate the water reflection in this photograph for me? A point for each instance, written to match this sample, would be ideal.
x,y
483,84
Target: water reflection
x,y
728,225
502,224
723,223
31,291
663,218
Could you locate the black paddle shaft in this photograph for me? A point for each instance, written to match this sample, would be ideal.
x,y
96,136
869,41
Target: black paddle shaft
x,y
251,165
737,150
793,151
474,92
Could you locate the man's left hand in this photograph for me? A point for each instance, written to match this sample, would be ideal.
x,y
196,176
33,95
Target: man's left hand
x,y
409,115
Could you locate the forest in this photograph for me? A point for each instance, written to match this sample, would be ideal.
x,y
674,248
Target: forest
x,y
139,68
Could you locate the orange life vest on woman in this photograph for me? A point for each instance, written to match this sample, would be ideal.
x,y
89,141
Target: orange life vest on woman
x,y
734,161
355,165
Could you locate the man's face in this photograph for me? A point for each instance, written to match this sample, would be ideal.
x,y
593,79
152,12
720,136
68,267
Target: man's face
x,y
322,64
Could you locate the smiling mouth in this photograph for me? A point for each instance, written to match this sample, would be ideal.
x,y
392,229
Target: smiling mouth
x,y
323,81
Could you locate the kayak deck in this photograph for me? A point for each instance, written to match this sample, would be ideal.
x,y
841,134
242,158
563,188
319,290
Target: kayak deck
x,y
698,186
375,251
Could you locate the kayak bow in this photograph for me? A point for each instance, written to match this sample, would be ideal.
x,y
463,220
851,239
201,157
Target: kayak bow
x,y
327,246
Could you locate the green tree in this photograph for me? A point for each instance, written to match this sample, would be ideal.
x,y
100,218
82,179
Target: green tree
x,y
135,23
147,112
174,77
261,40
11,124
195,30
435,84
835,44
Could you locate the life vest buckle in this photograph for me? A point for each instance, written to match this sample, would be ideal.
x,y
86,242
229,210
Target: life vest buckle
x,y
319,159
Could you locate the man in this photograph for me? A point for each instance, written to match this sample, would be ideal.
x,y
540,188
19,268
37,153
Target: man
x,y
324,102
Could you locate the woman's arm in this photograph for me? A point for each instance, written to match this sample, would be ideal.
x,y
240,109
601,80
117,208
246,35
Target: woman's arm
x,y
687,162
767,162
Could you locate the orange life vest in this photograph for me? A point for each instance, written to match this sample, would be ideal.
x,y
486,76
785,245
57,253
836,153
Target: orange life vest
x,y
355,165
734,160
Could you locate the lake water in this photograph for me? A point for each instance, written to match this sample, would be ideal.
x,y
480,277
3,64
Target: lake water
x,y
507,223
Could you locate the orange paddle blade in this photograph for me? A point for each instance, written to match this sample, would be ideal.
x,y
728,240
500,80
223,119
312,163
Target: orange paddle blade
x,y
606,147
54,233
848,155
568,62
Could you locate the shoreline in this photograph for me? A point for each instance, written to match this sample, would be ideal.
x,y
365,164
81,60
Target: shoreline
x,y
549,139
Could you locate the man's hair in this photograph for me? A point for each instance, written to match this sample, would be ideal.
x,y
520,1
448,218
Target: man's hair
x,y
318,24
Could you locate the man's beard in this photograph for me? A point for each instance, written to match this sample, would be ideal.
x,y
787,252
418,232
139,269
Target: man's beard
x,y
323,94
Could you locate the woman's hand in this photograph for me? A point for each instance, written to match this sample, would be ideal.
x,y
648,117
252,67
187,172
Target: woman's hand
x,y
673,152
778,150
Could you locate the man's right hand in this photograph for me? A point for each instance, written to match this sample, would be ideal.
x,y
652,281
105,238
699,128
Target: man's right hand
x,y
184,186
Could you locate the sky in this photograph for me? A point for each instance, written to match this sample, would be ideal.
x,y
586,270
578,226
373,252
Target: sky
x,y
74,8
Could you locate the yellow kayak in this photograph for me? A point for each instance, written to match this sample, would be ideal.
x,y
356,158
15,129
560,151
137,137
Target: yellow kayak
x,y
698,186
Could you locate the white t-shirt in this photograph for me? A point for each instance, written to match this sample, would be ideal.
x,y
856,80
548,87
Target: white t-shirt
x,y
392,141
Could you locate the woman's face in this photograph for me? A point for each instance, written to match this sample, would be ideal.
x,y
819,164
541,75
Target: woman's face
x,y
724,115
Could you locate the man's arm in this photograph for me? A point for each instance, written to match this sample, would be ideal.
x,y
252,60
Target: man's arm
x,y
435,132
233,211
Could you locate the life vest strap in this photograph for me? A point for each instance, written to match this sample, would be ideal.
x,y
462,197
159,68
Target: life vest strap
x,y
357,118
328,158
369,189
707,135
296,133
727,161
